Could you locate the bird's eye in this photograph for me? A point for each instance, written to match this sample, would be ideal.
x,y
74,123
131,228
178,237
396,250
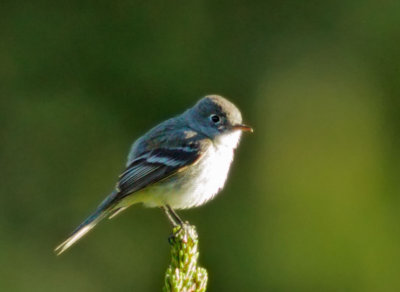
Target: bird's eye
x,y
215,119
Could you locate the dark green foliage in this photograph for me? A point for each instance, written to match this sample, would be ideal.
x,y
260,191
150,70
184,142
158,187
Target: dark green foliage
x,y
312,200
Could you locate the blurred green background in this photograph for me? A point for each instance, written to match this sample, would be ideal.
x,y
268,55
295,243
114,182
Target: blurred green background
x,y
312,202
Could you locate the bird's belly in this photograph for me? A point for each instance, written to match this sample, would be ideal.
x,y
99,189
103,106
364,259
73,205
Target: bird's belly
x,y
196,185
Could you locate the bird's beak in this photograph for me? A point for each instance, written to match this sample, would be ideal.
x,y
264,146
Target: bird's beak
x,y
243,127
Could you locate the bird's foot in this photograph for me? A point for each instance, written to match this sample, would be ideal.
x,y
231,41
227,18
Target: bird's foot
x,y
180,232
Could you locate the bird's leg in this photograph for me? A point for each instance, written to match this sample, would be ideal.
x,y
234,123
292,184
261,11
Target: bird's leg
x,y
176,221
172,216
177,218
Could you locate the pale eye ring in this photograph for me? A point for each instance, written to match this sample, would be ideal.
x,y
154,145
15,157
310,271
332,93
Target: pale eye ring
x,y
215,119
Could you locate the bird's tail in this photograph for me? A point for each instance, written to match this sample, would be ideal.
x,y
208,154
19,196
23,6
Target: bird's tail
x,y
104,210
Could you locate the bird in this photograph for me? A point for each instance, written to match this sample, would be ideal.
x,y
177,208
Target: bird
x,y
181,163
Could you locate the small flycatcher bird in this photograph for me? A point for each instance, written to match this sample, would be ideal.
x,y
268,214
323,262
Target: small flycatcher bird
x,y
181,163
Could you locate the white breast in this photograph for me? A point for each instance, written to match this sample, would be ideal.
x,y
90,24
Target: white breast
x,y
207,178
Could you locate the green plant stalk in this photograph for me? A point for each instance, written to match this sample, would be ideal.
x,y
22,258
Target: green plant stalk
x,y
183,274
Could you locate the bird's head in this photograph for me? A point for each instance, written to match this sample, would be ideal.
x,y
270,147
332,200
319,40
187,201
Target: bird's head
x,y
216,116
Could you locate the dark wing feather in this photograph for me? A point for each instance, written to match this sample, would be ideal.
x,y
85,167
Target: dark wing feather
x,y
156,165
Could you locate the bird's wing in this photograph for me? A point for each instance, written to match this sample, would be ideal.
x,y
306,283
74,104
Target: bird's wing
x,y
157,164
